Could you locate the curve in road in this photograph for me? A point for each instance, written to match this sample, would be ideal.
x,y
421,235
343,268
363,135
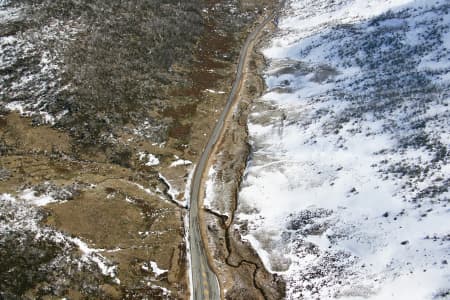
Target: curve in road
x,y
204,281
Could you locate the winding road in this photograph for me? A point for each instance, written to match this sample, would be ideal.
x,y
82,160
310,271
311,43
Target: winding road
x,y
204,280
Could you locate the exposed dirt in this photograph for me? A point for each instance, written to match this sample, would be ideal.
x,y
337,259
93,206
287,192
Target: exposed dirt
x,y
133,226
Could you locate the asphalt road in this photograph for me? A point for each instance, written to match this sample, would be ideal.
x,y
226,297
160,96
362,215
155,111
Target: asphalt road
x,y
204,281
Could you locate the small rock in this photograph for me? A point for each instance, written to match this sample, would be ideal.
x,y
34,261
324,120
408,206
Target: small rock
x,y
444,262
404,243
386,214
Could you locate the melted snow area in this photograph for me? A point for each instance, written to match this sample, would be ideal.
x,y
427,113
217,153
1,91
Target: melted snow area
x,y
346,193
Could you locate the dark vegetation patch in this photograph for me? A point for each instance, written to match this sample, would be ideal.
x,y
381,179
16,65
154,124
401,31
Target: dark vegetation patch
x,y
40,259
114,66
107,66
122,64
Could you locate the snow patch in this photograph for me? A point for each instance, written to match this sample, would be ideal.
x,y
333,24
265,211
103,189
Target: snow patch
x,y
187,189
7,197
156,269
150,159
215,92
30,196
90,254
180,162
210,192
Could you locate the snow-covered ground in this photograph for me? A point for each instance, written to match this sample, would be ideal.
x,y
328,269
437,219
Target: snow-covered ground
x,y
346,193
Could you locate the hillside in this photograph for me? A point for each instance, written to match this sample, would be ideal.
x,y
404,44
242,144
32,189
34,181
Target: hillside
x,y
346,191
104,109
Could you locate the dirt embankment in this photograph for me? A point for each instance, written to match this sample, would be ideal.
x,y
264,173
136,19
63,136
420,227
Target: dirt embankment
x,y
240,270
